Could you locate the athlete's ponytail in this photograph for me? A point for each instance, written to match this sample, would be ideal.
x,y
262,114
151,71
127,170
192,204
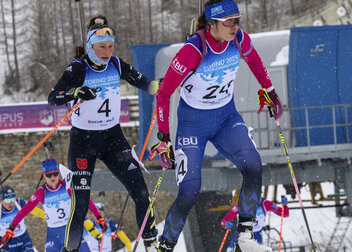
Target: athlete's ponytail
x,y
202,22
100,19
96,22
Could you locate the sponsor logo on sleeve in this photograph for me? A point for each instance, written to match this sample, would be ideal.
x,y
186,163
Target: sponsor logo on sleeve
x,y
180,69
161,114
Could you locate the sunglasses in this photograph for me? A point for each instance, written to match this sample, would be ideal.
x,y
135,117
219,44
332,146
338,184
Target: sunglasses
x,y
103,31
49,175
230,21
8,200
99,206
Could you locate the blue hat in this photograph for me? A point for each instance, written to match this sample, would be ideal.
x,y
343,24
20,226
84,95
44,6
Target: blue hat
x,y
100,206
92,39
50,165
222,9
8,193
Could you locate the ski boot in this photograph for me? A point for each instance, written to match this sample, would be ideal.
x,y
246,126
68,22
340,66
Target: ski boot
x,y
244,238
69,250
165,245
150,241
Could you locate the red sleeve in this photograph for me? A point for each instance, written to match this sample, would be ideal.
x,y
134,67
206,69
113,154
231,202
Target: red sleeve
x,y
270,206
185,61
69,191
37,197
255,63
230,216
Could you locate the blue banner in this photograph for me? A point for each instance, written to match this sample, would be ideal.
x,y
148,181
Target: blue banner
x,y
144,62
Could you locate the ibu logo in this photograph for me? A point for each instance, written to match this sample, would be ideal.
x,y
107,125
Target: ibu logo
x,y
180,69
187,141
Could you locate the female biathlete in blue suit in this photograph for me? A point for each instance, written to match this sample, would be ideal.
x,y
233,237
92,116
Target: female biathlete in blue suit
x,y
207,112
56,203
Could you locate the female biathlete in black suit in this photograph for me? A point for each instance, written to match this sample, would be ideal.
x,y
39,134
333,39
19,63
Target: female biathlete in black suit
x,y
96,132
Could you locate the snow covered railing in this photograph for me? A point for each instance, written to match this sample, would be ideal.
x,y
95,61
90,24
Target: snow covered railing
x,y
309,132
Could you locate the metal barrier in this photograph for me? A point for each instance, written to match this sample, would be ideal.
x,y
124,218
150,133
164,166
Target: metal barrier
x,y
264,132
134,109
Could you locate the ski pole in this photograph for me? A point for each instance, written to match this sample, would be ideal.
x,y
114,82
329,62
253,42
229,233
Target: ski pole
x,y
81,20
101,240
41,142
148,135
101,243
80,49
224,239
282,221
46,144
156,189
123,210
140,159
284,146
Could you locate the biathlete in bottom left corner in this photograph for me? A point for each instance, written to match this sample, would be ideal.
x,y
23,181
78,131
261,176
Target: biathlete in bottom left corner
x,y
56,202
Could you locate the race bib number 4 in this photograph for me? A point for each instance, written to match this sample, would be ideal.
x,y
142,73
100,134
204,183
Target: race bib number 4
x,y
181,165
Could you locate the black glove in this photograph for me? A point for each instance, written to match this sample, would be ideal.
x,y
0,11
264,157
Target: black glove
x,y
85,93
277,108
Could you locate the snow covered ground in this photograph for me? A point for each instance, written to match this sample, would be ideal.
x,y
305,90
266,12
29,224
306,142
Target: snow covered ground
x,y
322,222
180,246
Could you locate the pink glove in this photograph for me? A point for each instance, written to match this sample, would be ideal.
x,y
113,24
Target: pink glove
x,y
162,149
277,109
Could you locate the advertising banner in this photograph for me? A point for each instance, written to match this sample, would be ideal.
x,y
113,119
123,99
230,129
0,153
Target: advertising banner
x,y
29,117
